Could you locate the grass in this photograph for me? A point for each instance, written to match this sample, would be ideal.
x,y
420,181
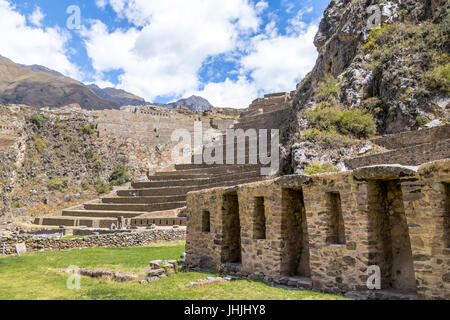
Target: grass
x,y
33,276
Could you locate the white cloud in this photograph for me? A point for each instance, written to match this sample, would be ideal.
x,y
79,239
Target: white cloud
x,y
230,94
101,3
175,37
33,45
36,17
171,40
279,62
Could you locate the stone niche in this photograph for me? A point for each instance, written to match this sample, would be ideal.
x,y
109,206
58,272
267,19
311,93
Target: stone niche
x,y
389,235
329,229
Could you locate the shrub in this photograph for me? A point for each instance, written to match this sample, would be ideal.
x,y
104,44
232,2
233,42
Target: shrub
x,y
444,26
421,121
58,184
329,89
39,144
73,148
358,124
353,122
328,139
90,153
317,167
102,187
38,120
119,176
439,78
323,118
89,129
85,185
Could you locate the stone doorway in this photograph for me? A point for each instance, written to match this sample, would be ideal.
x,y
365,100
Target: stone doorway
x,y
389,236
232,250
296,261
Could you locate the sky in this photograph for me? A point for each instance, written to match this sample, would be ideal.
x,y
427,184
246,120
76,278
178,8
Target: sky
x,y
229,52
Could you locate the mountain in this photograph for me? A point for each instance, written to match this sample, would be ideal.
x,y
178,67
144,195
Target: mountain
x,y
38,68
38,86
193,103
370,80
118,96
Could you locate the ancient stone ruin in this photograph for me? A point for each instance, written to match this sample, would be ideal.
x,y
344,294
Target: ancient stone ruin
x,y
326,232
153,201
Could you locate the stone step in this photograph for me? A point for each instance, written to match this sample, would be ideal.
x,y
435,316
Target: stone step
x,y
215,168
159,221
410,156
131,207
195,181
75,222
413,138
144,200
184,190
101,213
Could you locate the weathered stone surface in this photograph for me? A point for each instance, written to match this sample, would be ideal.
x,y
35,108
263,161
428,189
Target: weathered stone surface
x,y
384,172
117,240
329,229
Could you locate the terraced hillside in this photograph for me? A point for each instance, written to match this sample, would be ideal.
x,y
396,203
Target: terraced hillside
x,y
155,201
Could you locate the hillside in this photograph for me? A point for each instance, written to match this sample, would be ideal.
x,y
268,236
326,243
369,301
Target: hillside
x,y
388,79
22,85
193,103
121,97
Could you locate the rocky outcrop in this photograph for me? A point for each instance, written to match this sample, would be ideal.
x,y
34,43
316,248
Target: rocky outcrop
x,y
381,71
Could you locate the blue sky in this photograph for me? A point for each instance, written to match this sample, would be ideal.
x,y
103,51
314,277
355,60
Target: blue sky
x,y
230,51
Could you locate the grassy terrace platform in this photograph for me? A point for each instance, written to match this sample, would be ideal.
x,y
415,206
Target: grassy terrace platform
x,y
34,276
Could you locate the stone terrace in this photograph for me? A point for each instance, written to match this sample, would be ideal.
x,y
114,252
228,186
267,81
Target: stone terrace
x,y
154,201
324,231
409,148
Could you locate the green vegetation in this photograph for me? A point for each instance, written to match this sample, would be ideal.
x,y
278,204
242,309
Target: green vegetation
x,y
38,120
88,129
119,176
58,184
39,144
102,187
73,148
34,276
90,153
328,90
427,42
444,26
328,138
318,167
85,185
351,122
439,78
73,237
421,121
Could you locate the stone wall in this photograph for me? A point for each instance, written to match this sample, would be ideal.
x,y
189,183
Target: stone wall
x,y
410,156
325,231
413,138
117,240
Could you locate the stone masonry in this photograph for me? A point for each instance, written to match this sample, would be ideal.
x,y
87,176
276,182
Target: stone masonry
x,y
154,201
323,232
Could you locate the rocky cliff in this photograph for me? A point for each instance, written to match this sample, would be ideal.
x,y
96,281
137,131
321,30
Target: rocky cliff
x,y
393,71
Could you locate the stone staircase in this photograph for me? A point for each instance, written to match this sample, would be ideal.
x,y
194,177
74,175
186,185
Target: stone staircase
x,y
155,201
411,148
